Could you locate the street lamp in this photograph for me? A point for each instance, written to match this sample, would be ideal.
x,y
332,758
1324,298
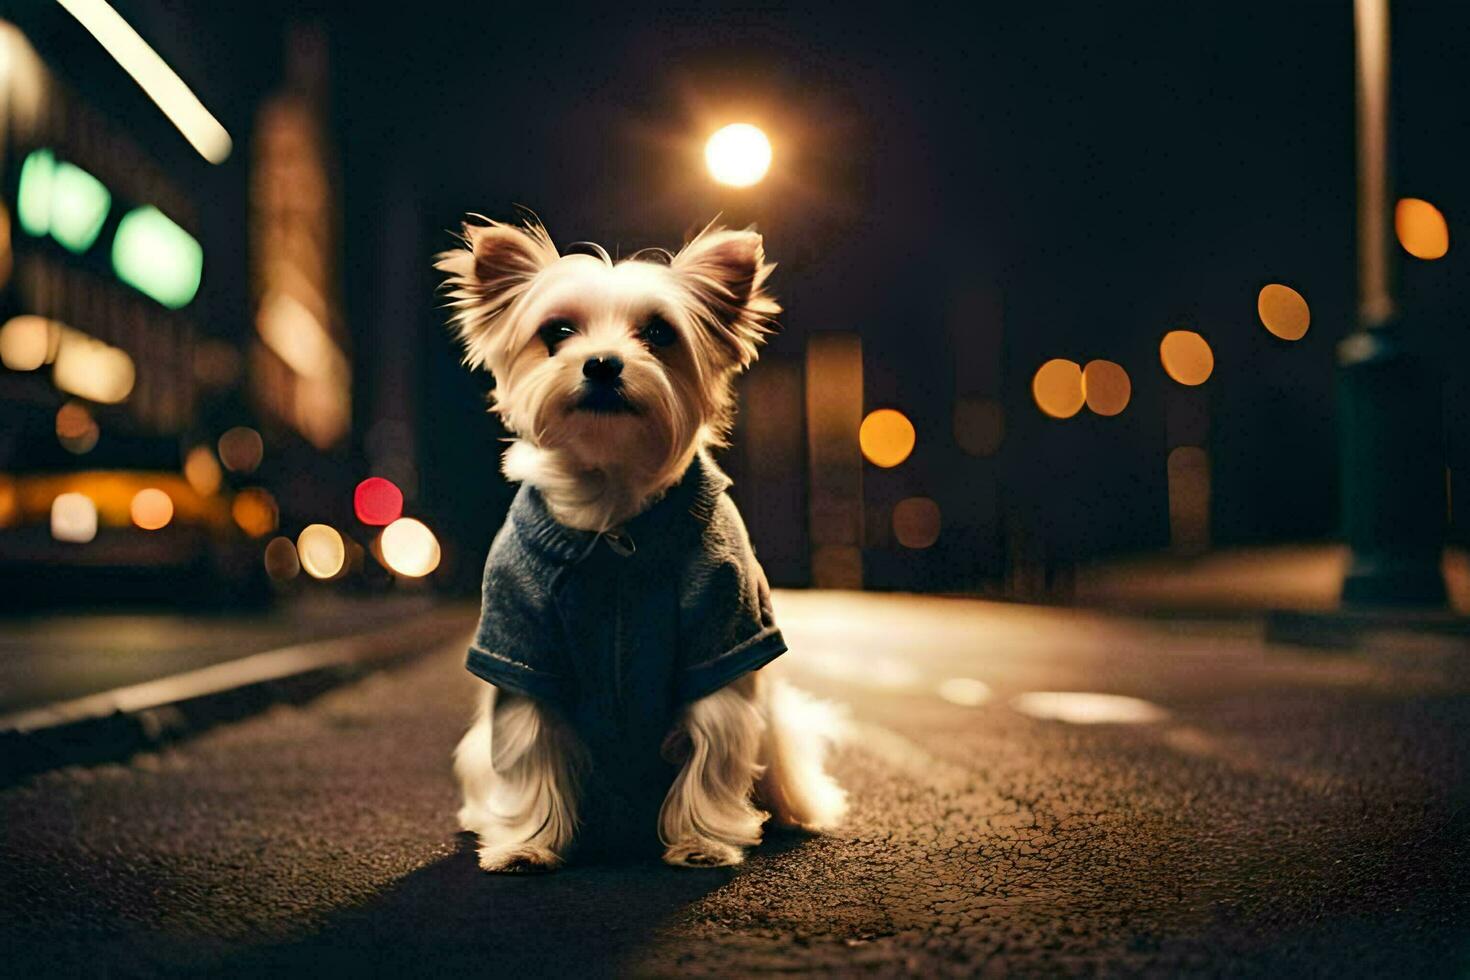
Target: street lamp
x,y
738,155
1392,440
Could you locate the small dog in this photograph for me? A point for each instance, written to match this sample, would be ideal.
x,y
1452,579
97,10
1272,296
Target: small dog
x,y
625,617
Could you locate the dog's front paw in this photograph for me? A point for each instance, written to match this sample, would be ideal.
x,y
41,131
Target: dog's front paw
x,y
703,854
518,859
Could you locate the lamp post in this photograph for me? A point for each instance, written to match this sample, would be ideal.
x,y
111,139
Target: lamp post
x,y
1391,440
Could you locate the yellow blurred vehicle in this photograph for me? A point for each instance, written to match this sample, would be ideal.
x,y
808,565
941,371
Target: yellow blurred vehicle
x,y
120,533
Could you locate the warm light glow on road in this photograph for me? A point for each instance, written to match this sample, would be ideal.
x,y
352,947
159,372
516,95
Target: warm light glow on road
x,y
1087,708
738,155
163,86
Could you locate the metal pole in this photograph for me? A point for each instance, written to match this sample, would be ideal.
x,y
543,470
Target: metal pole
x,y
1391,440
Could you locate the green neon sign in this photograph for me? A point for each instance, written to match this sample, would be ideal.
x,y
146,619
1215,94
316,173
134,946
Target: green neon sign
x,y
79,205
33,201
62,199
157,257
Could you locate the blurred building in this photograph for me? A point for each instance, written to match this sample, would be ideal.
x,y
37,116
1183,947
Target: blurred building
x,y
169,312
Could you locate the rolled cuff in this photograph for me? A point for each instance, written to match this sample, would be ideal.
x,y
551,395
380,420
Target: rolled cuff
x,y
705,678
512,675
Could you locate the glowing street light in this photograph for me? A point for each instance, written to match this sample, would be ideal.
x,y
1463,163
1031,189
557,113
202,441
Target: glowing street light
x,y
738,155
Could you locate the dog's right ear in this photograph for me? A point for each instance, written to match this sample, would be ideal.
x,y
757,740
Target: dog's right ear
x,y
496,264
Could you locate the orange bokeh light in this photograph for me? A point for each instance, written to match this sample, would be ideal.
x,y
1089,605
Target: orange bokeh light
x,y
1421,228
152,509
1057,388
1106,387
886,437
1283,311
916,522
1186,357
254,509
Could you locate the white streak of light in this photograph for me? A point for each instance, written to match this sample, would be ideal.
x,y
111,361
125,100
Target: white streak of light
x,y
163,86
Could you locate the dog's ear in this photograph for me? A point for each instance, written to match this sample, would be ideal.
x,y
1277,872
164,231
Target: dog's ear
x,y
726,271
496,264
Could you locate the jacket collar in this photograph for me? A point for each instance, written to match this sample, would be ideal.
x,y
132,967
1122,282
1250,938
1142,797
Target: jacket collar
x,y
689,503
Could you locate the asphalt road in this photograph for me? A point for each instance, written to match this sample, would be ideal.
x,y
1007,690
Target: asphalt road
x,y
1250,811
56,655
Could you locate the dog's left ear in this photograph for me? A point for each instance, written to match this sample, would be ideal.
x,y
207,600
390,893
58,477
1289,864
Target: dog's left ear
x,y
726,271
496,265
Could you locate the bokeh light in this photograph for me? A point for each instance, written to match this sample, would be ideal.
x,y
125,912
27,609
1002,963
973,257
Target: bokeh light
x,y
1421,228
76,429
1106,387
202,470
979,426
93,369
321,550
1283,311
1189,499
1057,388
157,257
409,548
964,691
151,509
255,511
79,205
916,522
886,437
377,501
73,518
281,563
241,449
1186,357
738,155
33,193
1087,708
7,254
27,342
9,501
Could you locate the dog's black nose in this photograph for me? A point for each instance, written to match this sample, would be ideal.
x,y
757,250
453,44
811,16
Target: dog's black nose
x,y
602,368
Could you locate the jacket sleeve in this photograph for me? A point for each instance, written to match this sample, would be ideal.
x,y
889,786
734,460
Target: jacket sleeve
x,y
726,625
517,646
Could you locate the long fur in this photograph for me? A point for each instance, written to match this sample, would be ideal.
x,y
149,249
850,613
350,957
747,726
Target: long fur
x,y
520,764
518,767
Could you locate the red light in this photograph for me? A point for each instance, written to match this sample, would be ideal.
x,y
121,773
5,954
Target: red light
x,y
377,501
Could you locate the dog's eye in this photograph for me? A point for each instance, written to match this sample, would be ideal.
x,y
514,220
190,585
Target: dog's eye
x,y
553,332
659,332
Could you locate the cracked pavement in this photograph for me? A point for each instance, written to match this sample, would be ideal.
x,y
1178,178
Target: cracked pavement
x,y
1266,811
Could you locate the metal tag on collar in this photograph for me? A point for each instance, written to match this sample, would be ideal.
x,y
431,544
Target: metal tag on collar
x,y
619,541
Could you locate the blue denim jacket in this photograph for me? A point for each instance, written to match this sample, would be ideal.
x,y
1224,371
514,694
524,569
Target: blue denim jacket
x,y
617,630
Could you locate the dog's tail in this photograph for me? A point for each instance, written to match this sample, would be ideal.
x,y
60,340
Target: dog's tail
x,y
800,733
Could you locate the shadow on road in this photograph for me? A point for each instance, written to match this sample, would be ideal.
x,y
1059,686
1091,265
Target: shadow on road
x,y
582,921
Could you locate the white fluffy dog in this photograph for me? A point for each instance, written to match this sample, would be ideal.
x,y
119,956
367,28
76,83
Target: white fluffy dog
x,y
625,617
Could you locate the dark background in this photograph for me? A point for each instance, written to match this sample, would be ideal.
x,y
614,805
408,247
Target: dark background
x,y
974,192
